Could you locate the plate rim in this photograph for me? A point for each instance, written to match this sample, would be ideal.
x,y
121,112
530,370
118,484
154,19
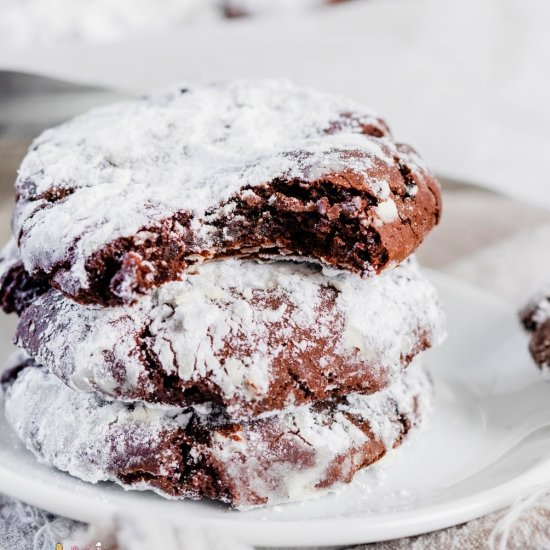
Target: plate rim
x,y
321,532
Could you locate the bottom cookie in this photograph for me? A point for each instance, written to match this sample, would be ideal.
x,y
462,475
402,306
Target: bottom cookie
x,y
185,453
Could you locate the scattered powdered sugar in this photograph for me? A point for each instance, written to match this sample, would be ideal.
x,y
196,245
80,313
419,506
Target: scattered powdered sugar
x,y
88,437
230,322
118,169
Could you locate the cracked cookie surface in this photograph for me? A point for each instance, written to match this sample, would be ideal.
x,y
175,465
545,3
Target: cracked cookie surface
x,y
252,337
298,454
127,197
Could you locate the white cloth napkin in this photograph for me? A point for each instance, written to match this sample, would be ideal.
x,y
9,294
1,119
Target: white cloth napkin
x,y
466,82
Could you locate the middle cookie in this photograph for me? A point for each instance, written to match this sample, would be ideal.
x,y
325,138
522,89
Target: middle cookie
x,y
253,337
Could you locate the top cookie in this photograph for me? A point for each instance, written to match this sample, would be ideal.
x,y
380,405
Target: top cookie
x,y
127,197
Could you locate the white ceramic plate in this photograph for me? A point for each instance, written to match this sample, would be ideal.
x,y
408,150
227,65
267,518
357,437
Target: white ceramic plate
x,y
488,441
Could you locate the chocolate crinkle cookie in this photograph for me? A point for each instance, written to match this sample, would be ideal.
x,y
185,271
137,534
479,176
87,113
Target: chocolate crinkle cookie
x,y
186,453
536,320
251,336
127,197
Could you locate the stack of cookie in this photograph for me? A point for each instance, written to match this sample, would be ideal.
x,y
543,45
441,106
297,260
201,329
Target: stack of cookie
x,y
216,293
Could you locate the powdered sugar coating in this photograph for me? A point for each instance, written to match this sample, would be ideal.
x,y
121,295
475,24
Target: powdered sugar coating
x,y
295,455
17,288
253,336
9,258
121,171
